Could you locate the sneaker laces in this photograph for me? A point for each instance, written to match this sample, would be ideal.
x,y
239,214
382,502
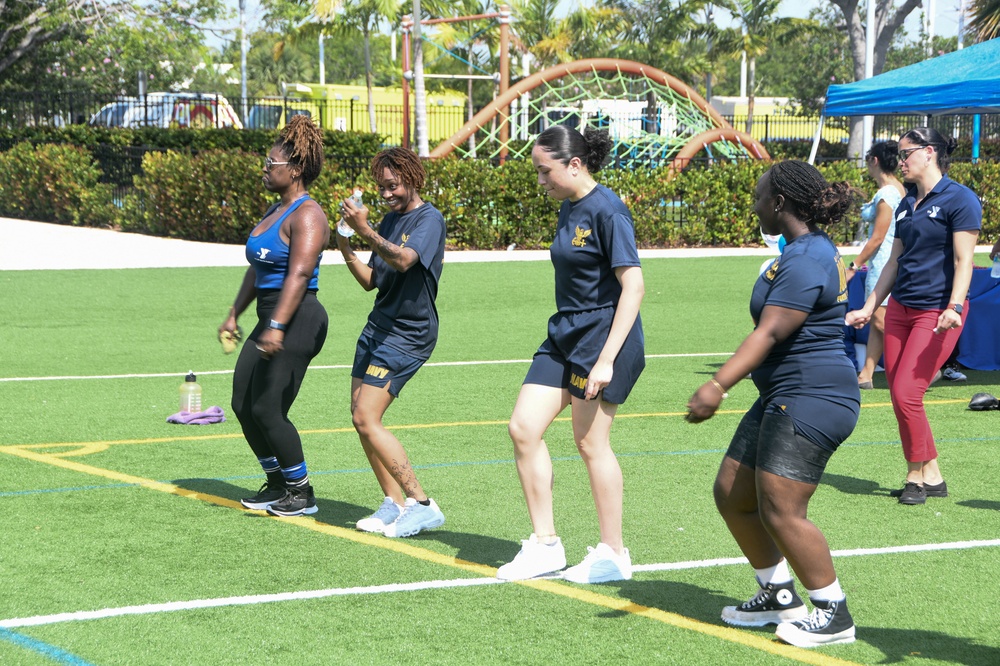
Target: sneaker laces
x,y
386,510
819,618
762,596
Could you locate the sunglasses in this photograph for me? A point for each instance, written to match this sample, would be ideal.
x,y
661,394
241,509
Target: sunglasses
x,y
268,163
905,154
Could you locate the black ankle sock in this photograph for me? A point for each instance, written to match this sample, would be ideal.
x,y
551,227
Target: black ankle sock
x,y
426,502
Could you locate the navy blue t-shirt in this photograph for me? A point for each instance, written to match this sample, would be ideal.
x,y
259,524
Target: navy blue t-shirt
x,y
927,264
405,315
594,236
809,370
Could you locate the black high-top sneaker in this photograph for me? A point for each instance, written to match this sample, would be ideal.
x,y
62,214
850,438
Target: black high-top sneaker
x,y
268,494
829,623
773,604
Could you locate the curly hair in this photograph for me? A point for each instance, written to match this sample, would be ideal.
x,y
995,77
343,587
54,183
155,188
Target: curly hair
x,y
564,143
814,199
403,164
302,143
886,152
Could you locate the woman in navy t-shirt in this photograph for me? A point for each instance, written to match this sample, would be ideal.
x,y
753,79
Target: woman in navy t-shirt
x,y
809,403
928,273
284,252
591,358
402,329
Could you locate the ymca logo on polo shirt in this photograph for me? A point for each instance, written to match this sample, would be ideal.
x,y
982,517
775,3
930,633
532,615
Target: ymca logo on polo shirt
x,y
934,211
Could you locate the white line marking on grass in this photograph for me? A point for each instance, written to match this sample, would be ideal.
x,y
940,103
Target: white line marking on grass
x,y
249,600
442,364
918,548
148,609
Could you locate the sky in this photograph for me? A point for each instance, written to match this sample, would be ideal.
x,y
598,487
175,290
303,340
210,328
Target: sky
x,y
945,24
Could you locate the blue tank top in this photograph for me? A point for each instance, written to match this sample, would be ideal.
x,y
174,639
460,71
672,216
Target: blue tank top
x,y
268,254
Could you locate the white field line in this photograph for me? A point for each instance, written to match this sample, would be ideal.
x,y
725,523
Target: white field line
x,y
443,364
148,609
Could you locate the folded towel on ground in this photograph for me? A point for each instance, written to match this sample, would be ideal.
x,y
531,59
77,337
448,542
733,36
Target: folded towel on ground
x,y
210,415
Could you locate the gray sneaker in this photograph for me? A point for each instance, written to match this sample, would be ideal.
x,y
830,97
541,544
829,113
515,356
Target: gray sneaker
x,y
415,518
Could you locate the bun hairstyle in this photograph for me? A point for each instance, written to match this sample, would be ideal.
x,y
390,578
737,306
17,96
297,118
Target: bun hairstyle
x,y
928,136
887,154
302,143
564,143
815,200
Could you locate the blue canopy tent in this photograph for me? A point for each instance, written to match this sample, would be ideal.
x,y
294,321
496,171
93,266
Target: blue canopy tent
x,y
962,82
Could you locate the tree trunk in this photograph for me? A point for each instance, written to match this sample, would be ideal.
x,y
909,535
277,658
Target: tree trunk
x,y
469,108
419,91
885,29
751,82
368,80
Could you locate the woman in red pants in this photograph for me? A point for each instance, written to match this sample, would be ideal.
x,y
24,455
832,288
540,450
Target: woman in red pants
x,y
928,273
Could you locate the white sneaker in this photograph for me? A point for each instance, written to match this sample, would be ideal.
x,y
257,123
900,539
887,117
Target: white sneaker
x,y
534,559
953,374
386,514
601,565
415,518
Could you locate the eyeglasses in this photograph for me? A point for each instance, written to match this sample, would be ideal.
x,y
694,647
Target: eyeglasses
x,y
268,163
905,153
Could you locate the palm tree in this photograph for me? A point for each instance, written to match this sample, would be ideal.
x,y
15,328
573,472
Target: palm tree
x,y
357,16
985,19
760,28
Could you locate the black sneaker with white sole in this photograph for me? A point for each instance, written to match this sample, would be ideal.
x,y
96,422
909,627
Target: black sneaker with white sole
x,y
830,623
268,494
296,502
773,604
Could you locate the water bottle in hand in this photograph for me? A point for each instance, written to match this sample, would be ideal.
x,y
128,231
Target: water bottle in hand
x,y
995,273
343,228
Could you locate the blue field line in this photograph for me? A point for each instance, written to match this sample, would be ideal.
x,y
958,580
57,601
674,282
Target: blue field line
x,y
44,649
465,463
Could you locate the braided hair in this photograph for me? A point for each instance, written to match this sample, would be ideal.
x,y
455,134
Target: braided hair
x,y
813,198
403,164
564,143
302,143
928,136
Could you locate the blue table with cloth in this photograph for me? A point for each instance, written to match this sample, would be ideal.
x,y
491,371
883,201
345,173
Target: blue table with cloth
x,y
979,345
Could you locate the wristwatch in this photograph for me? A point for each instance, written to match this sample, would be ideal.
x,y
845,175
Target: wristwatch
x,y
957,307
278,326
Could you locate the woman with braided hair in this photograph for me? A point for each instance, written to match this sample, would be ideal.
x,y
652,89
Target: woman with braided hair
x,y
284,252
809,403
402,330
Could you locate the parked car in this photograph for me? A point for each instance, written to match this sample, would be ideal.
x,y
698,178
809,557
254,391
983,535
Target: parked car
x,y
275,112
168,109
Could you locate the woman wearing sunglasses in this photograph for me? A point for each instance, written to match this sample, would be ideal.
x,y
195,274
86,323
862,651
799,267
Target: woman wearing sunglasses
x,y
928,274
284,251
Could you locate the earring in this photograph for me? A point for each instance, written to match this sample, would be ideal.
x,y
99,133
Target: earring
x,y
776,209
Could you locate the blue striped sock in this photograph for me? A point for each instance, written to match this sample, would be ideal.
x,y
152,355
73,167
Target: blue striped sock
x,y
269,465
296,476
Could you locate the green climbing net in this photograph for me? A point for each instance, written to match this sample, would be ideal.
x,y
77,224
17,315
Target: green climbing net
x,y
648,121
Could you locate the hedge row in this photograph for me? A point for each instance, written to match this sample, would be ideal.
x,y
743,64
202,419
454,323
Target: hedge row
x,y
216,196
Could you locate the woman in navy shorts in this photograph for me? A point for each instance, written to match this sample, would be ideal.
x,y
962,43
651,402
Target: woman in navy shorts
x,y
590,360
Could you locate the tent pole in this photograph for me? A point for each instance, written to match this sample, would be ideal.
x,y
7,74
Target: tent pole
x,y
976,132
819,132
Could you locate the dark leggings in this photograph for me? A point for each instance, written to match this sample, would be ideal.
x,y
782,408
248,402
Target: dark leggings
x,y
264,390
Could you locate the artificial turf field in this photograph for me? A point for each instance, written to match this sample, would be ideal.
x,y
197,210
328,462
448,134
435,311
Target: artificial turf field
x,y
125,543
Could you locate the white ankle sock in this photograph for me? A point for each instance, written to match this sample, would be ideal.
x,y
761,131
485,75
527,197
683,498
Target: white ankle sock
x,y
831,592
777,574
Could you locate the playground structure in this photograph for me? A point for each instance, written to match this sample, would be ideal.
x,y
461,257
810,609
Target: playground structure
x,y
652,117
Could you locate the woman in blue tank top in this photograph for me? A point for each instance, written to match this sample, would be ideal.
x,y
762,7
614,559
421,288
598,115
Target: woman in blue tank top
x,y
284,251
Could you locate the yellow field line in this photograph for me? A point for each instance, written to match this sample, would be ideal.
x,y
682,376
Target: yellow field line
x,y
92,447
747,639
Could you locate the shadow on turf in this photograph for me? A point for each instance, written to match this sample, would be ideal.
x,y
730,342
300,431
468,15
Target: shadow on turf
x,y
684,599
989,505
907,645
854,486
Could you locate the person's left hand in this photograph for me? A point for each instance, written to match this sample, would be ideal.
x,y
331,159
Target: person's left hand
x,y
270,342
704,403
600,376
948,319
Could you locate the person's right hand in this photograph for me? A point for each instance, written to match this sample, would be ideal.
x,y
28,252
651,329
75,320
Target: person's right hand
x,y
857,318
228,325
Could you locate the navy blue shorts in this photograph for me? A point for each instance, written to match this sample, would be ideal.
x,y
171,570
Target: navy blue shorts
x,y
574,343
378,365
766,438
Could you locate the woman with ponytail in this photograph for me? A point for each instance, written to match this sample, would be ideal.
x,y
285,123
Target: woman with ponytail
x,y
928,273
590,360
284,252
808,405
